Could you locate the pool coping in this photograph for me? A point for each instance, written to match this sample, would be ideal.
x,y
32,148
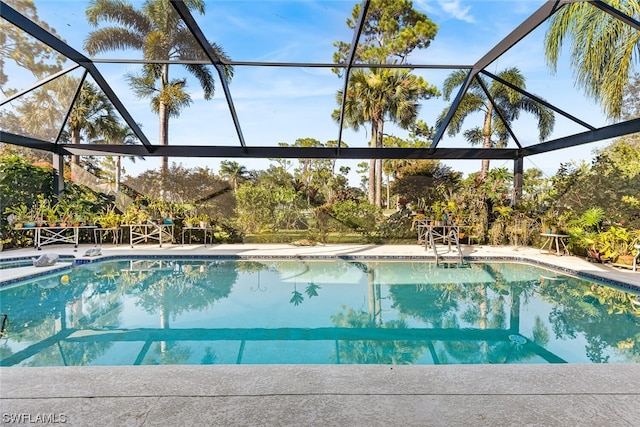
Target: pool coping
x,y
469,258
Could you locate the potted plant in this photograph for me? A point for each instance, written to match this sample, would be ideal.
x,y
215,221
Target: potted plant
x,y
49,213
18,215
547,220
30,221
617,244
191,220
204,220
108,218
40,210
66,210
171,211
438,208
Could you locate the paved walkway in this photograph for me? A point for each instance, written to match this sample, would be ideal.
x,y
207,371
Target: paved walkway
x,y
325,395
293,395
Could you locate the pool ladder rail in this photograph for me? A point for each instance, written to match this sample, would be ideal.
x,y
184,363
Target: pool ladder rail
x,y
449,235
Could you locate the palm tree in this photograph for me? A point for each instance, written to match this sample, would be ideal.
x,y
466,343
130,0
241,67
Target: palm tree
x,y
604,49
233,172
378,95
157,30
494,132
390,167
121,135
92,115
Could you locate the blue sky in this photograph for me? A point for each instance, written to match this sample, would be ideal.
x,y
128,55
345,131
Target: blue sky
x,y
280,105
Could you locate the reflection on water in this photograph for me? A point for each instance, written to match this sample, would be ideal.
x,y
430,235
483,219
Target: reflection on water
x,y
220,311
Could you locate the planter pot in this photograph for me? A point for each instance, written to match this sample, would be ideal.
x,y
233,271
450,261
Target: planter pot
x,y
625,259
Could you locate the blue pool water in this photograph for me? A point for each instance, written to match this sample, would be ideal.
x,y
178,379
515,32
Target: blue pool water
x,y
223,311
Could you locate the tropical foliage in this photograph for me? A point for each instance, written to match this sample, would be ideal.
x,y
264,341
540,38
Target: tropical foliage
x,y
156,30
500,108
392,30
604,49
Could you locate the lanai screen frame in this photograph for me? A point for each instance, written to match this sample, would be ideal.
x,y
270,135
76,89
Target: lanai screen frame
x,y
243,150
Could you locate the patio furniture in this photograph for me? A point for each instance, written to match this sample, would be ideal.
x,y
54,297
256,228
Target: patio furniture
x,y
142,233
421,226
204,231
98,234
635,258
556,240
49,235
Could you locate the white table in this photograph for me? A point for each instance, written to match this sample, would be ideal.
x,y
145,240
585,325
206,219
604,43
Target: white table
x,y
49,235
554,240
421,225
98,232
204,230
142,233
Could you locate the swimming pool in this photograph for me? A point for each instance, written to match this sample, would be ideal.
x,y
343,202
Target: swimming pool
x,y
274,311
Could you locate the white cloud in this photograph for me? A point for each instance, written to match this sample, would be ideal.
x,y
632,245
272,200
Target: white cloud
x,y
426,6
457,11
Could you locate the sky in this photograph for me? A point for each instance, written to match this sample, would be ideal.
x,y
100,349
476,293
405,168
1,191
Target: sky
x,y
283,104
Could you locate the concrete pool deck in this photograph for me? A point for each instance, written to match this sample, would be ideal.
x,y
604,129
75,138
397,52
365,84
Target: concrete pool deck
x,y
325,395
276,250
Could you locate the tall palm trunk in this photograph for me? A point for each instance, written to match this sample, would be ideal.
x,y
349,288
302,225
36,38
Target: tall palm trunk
x,y
372,169
379,133
75,139
486,143
118,172
388,192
